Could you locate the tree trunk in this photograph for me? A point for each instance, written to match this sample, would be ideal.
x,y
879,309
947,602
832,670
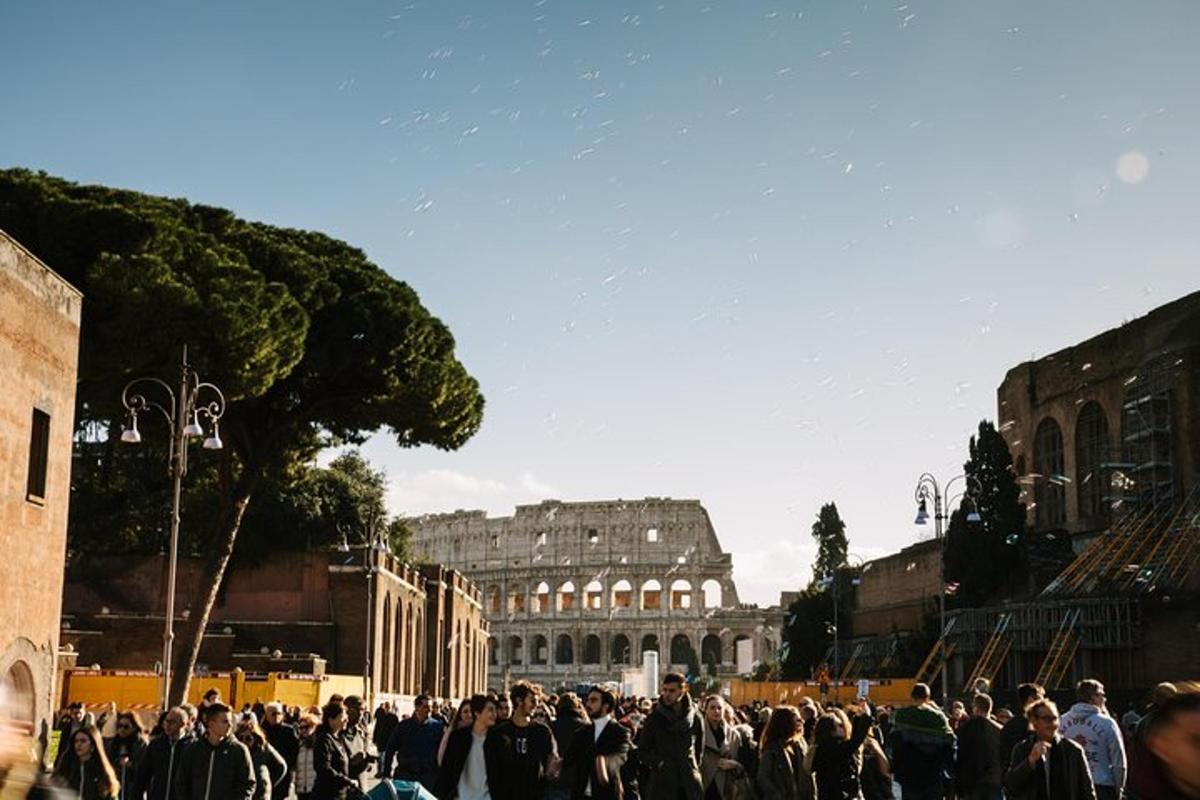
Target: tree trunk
x,y
237,498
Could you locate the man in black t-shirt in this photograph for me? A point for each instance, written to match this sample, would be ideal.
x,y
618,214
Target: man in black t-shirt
x,y
526,748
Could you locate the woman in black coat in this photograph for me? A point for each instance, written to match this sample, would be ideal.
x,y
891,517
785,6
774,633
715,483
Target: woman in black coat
x,y
836,756
331,759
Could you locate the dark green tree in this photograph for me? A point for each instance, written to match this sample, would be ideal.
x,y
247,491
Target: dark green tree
x,y
830,532
807,633
985,558
311,342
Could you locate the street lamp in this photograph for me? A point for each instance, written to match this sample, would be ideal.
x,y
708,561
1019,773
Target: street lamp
x,y
182,411
831,582
928,488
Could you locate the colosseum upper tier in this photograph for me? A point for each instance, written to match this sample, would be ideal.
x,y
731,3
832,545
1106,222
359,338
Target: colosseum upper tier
x,y
575,592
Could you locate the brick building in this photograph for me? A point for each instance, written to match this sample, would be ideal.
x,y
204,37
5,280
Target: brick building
x,y
300,612
39,350
896,591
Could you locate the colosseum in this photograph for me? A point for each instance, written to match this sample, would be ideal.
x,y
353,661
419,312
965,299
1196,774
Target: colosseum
x,y
577,592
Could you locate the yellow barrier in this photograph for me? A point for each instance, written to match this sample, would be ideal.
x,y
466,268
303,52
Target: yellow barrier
x,y
882,691
140,690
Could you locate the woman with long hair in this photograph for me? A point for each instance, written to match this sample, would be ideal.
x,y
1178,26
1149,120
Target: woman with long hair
x,y
269,766
836,756
719,765
465,718
781,751
125,750
89,773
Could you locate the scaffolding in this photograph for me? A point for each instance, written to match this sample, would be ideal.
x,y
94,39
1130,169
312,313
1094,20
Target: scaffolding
x,y
994,653
1057,663
939,655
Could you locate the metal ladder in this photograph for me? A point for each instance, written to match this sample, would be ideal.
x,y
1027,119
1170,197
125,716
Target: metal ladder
x,y
936,660
1063,647
993,655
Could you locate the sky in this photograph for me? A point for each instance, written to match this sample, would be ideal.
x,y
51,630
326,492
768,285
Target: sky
x,y
763,254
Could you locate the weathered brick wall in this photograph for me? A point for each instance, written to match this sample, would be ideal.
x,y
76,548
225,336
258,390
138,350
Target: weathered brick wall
x,y
895,590
39,345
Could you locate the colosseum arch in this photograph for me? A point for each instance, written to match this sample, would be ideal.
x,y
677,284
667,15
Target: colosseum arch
x,y
566,596
564,650
516,600
710,650
593,596
622,594
650,642
591,649
621,652
1091,449
541,650
681,649
494,599
681,594
493,651
651,595
516,650
542,603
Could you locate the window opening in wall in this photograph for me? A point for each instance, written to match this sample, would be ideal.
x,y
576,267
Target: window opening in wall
x,y
652,534
541,539
566,596
593,536
681,594
651,595
495,541
543,598
622,594
39,455
594,596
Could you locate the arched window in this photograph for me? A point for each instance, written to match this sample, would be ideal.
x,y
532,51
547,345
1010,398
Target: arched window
x,y
564,650
681,594
710,649
620,649
712,593
591,649
385,645
541,650
516,650
622,594
1091,449
399,662
593,596
681,649
566,596
542,593
516,600
651,595
1048,487
650,642
18,689
493,651
494,599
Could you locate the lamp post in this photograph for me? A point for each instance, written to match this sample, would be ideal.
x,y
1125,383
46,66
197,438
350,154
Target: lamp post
x,y
927,488
373,544
847,561
182,411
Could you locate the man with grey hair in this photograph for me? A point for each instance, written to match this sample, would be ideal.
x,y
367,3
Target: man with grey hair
x,y
1089,725
156,771
283,737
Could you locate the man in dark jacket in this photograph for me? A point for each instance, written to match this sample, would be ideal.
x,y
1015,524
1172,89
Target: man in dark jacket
x,y
163,756
470,766
413,743
671,744
217,767
386,721
1046,766
283,737
1016,730
923,748
569,720
527,751
980,770
598,751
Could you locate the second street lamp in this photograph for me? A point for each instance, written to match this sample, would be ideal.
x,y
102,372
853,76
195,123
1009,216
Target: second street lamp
x,y
183,411
928,489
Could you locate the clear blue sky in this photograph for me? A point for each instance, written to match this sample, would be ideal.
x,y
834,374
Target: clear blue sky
x,y
761,254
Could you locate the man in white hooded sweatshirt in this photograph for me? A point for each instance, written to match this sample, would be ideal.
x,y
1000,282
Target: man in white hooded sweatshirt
x,y
1089,725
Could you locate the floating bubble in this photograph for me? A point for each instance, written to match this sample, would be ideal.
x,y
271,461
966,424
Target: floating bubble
x,y
1133,167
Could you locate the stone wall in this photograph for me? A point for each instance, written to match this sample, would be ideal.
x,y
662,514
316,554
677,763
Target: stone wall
x,y
39,348
896,591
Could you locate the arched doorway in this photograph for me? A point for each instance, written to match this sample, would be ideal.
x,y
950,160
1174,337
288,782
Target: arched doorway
x,y
620,649
20,703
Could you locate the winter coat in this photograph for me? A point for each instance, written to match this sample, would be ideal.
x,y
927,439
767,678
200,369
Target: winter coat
x,y
582,751
306,773
923,747
86,779
159,765
223,771
713,751
980,762
331,762
458,748
837,764
564,728
269,771
125,754
286,742
1069,775
670,748
781,772
1099,735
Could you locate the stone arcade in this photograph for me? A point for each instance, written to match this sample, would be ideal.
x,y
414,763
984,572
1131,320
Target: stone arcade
x,y
576,592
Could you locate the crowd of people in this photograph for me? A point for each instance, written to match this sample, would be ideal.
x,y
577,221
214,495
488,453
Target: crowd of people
x,y
528,745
